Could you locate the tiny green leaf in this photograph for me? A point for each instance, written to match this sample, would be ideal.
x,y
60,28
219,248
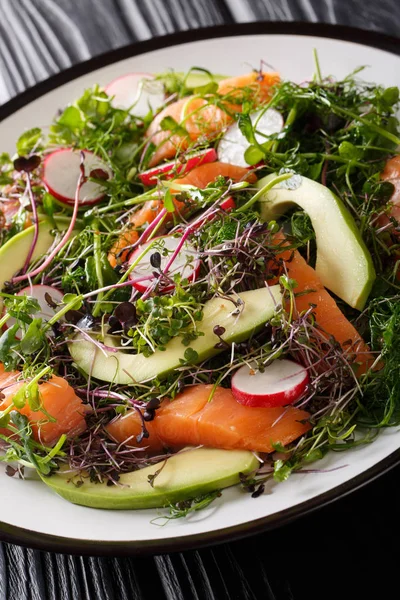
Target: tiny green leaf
x,y
281,470
28,141
168,201
246,127
169,124
349,151
253,155
7,342
391,96
74,300
20,397
191,356
4,418
208,88
71,118
33,338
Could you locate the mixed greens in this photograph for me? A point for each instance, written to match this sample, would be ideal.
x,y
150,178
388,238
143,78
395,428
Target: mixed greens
x,y
117,287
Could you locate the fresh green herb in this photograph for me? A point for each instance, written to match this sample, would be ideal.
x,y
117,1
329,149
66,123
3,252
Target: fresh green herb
x,y
161,318
186,507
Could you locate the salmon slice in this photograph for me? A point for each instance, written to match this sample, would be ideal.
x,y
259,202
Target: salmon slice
x,y
200,177
191,419
391,173
200,117
328,315
58,399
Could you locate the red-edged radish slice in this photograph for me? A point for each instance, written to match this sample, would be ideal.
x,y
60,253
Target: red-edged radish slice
x,y
233,143
61,170
40,292
186,263
282,382
136,91
228,204
170,170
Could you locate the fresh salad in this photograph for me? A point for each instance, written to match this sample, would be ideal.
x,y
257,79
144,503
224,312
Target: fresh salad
x,y
199,285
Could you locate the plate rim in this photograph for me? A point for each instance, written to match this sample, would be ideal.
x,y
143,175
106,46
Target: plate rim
x,y
51,543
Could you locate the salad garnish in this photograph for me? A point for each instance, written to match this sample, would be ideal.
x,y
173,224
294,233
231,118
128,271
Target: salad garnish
x,y
156,298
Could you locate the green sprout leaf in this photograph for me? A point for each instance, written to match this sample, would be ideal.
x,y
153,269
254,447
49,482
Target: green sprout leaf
x,y
168,201
33,339
28,141
8,341
191,356
281,471
71,118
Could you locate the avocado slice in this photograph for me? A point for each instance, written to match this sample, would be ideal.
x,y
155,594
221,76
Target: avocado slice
x,y
14,252
344,263
183,476
123,368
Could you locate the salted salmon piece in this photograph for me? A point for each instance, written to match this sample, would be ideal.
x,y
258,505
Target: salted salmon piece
x,y
199,117
391,173
200,177
58,399
146,214
328,315
192,419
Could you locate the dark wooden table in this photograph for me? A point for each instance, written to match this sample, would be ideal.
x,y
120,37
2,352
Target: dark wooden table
x,y
346,550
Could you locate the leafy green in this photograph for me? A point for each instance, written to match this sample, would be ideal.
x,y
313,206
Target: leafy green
x,y
28,141
162,318
22,448
8,342
34,338
302,228
381,399
186,507
169,124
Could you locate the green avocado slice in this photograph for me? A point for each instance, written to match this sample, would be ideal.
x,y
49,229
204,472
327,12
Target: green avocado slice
x,y
183,476
344,263
123,368
14,252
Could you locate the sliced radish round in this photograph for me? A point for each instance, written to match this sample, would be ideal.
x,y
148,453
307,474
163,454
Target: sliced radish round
x,y
136,91
186,263
233,143
48,298
171,169
228,204
281,383
61,170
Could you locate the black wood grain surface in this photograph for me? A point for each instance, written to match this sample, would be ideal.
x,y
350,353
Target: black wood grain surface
x,y
346,550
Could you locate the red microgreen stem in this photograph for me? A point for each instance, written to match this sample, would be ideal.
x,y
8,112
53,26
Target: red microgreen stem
x,y
63,242
35,222
150,228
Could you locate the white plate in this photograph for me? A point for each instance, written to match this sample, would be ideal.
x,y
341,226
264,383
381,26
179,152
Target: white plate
x,y
35,515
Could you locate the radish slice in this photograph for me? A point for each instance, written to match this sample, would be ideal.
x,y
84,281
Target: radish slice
x,y
187,263
233,143
138,92
39,292
171,169
61,172
282,382
228,204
